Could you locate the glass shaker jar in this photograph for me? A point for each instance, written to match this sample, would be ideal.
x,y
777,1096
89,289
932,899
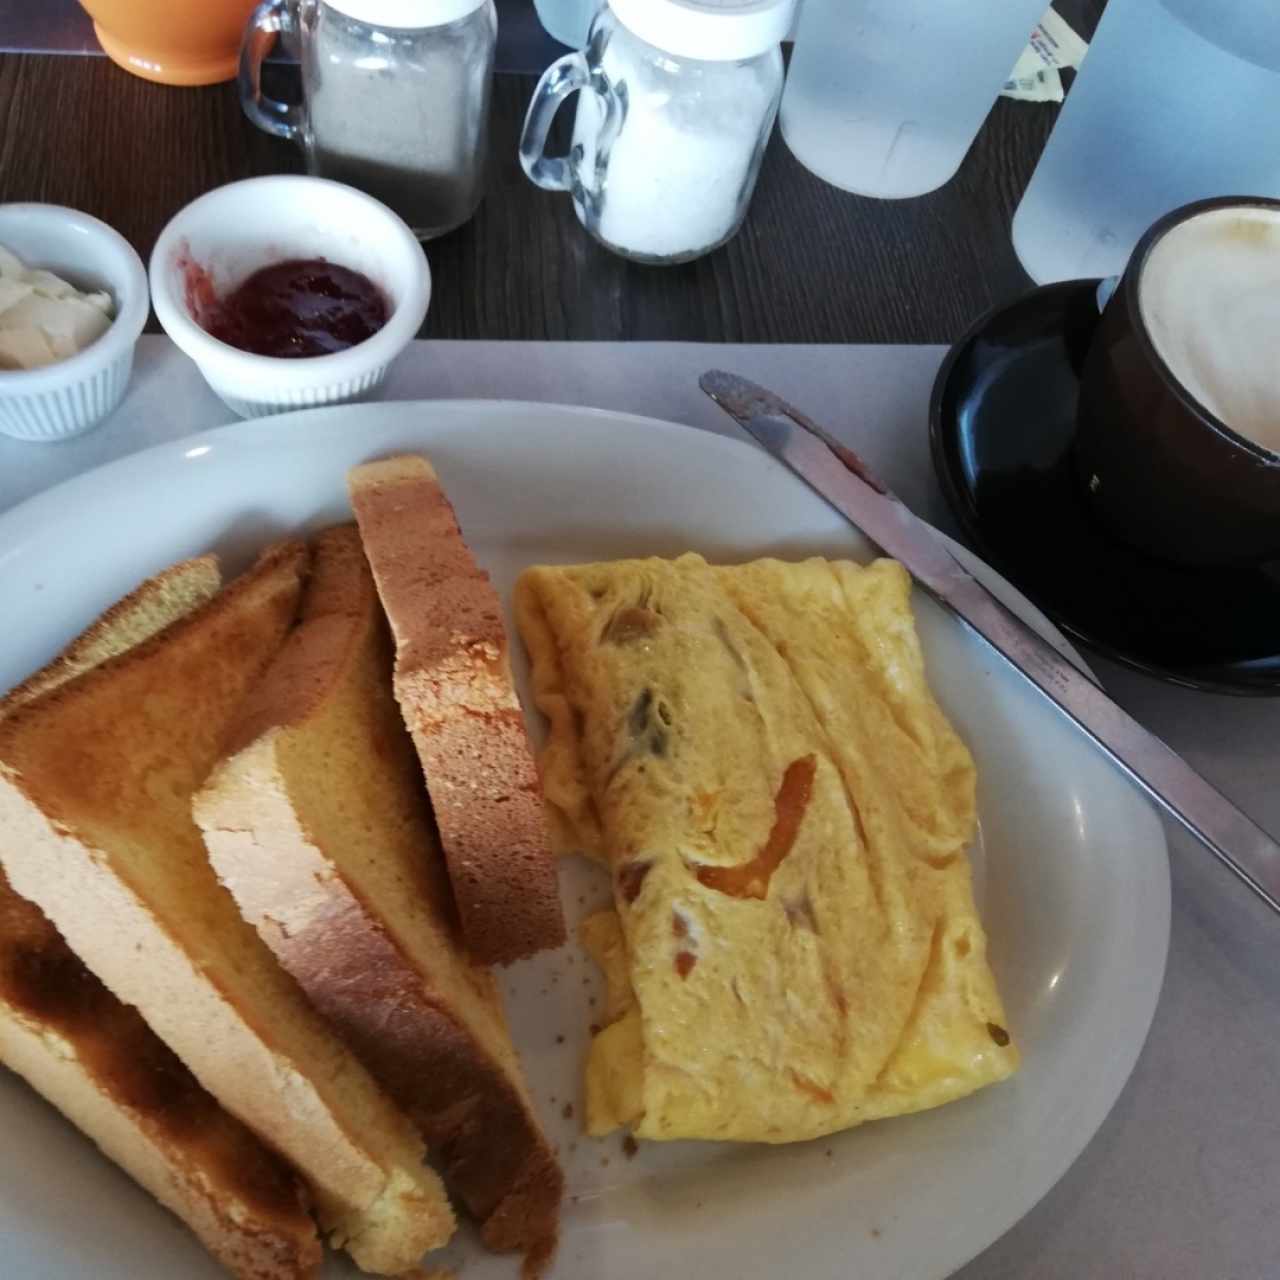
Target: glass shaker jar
x,y
679,100
395,98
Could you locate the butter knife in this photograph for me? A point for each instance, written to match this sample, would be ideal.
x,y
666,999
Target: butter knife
x,y
842,479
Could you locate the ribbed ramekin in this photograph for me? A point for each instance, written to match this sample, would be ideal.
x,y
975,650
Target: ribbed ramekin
x,y
234,230
68,398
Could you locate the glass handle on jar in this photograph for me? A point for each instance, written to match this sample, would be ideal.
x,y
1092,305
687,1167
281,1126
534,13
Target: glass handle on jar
x,y
564,76
271,19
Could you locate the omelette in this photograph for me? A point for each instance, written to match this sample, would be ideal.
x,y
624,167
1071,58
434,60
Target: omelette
x,y
755,754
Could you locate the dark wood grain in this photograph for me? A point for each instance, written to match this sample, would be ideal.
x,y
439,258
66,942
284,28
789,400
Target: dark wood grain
x,y
812,263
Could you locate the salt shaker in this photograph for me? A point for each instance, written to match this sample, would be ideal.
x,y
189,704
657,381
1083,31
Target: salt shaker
x,y
676,102
395,98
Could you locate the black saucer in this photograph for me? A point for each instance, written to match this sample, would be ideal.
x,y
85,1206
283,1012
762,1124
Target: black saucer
x,y
1001,421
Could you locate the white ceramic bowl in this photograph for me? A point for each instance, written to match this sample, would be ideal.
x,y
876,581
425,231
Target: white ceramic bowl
x,y
234,230
68,398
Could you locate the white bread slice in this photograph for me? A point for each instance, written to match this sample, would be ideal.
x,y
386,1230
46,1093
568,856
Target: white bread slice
x,y
453,683
99,1063
96,780
318,824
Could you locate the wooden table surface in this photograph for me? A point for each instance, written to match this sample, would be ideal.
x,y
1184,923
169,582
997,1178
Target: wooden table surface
x,y
811,264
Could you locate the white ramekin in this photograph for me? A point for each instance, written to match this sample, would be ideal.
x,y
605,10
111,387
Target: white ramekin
x,y
232,231
69,397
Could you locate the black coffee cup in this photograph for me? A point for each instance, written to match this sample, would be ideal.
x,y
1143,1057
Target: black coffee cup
x,y
1160,470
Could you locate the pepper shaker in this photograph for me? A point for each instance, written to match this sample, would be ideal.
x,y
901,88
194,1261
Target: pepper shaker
x,y
395,98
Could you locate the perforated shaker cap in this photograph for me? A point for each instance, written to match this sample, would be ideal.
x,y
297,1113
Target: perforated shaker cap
x,y
714,30
406,13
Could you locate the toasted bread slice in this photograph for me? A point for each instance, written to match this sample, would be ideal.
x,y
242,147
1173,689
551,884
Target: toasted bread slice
x,y
453,682
96,780
149,608
99,1063
318,824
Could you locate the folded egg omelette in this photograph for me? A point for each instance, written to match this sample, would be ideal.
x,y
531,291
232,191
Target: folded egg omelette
x,y
755,753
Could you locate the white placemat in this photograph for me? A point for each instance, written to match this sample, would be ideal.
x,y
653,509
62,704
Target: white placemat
x,y
1182,1180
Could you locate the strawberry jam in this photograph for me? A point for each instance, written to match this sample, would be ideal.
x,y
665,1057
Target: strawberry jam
x,y
297,308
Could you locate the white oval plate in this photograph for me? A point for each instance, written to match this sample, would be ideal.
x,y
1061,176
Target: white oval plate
x,y
1074,867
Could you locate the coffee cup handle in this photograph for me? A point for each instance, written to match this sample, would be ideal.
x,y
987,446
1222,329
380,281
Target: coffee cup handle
x,y
269,21
563,77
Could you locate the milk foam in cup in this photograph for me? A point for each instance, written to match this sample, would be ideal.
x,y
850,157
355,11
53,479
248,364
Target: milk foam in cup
x,y
1209,296
1177,443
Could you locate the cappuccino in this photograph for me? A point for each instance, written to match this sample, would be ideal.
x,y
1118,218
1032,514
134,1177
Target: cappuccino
x,y
1209,295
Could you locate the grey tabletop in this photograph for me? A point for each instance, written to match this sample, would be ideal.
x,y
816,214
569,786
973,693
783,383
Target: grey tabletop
x,y
1182,1179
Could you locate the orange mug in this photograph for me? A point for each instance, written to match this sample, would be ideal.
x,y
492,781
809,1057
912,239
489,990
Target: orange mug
x,y
172,41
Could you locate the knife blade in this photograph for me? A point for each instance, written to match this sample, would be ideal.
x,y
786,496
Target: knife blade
x,y
839,476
